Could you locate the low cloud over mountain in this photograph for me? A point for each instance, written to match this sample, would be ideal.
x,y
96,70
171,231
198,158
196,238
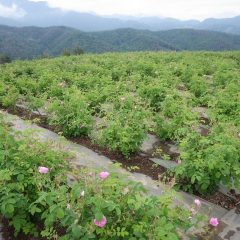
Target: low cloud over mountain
x,y
26,13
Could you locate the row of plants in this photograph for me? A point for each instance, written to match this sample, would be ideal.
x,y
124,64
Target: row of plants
x,y
133,94
37,199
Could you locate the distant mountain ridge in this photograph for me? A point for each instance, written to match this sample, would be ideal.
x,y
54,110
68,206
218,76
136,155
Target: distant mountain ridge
x,y
32,42
41,15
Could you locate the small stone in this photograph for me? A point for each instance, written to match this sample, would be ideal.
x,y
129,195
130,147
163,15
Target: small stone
x,y
173,150
164,163
149,143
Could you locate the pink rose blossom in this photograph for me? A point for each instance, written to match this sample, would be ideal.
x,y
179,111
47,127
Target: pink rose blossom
x,y
43,170
198,202
103,175
101,223
213,221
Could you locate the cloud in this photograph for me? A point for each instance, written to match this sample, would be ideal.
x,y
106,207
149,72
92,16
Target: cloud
x,y
12,11
182,9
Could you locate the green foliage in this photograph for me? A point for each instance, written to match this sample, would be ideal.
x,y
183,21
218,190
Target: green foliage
x,y
135,93
8,95
71,115
210,160
33,42
175,119
30,199
125,129
20,182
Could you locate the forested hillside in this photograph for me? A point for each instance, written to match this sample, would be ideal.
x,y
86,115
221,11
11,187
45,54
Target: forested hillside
x,y
31,42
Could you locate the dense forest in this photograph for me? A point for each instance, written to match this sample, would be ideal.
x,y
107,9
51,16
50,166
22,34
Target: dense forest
x,y
32,42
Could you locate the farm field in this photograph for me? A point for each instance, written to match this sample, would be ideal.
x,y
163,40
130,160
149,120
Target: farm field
x,y
44,195
116,99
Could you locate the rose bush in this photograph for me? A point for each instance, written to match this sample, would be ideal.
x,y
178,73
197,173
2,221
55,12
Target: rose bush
x,y
36,199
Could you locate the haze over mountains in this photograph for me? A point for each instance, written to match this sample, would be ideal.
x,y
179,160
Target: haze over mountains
x,y
40,14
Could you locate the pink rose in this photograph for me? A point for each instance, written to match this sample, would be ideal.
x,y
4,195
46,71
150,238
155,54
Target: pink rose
x,y
213,221
101,223
103,175
198,202
43,170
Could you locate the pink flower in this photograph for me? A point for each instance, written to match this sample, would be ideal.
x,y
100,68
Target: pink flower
x,y
103,175
101,223
43,170
213,221
179,161
198,202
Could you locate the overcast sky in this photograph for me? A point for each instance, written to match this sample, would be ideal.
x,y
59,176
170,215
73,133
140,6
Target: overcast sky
x,y
12,11
182,9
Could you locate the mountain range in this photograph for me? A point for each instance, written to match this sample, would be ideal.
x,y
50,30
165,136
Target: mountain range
x,y
32,42
41,15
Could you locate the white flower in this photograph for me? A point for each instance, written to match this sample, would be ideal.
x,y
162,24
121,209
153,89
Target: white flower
x,y
82,194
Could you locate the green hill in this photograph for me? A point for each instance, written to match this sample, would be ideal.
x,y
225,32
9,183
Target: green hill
x,y
31,42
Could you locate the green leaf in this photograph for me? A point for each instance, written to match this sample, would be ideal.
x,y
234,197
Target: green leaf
x,y
60,213
98,216
9,208
20,177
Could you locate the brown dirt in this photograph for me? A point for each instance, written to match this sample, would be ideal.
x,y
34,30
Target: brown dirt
x,y
8,233
221,199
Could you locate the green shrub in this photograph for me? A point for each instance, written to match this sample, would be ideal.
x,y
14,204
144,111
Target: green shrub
x,y
175,119
153,93
30,199
124,132
207,161
20,181
126,126
8,95
71,115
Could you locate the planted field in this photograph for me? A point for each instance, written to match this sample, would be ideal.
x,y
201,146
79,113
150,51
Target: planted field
x,y
43,197
191,100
